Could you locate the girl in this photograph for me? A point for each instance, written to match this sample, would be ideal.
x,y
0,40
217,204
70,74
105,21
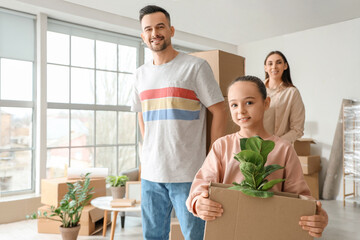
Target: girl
x,y
286,115
248,102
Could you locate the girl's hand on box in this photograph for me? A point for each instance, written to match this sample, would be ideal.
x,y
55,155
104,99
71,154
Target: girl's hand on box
x,y
207,209
315,224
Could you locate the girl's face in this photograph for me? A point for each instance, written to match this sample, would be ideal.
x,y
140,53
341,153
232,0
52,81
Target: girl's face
x,y
247,106
275,66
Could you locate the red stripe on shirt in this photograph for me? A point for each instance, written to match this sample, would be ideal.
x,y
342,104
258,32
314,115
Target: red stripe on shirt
x,y
168,92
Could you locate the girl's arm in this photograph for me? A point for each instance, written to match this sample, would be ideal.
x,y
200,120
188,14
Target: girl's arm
x,y
209,172
315,224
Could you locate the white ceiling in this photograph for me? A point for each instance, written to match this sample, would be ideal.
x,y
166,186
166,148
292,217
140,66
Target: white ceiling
x,y
239,21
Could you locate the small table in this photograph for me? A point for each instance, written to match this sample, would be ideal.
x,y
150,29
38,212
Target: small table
x,y
104,203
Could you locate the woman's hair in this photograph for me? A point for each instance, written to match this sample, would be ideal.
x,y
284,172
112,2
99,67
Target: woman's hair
x,y
286,77
260,84
149,9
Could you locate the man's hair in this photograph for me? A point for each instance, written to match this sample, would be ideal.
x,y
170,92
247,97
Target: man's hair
x,y
149,9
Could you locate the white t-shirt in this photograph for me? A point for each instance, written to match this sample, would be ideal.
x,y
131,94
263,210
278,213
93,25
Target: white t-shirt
x,y
173,98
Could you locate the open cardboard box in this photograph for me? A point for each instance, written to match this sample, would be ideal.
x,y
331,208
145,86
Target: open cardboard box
x,y
245,217
91,221
302,146
53,190
310,164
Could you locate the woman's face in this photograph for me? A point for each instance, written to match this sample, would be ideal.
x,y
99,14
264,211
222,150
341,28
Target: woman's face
x,y
275,66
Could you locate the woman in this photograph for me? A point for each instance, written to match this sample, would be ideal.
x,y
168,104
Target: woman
x,y
286,115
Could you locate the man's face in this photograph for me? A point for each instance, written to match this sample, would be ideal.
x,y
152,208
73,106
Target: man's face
x,y
157,31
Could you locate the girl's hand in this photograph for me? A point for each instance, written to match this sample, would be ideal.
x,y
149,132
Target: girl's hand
x,y
315,224
207,209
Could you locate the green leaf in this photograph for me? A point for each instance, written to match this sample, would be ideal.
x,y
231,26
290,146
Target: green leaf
x,y
266,147
257,193
243,143
271,183
271,168
254,144
250,156
248,169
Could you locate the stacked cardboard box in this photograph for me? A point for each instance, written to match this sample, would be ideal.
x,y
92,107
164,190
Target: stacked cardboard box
x,y
226,68
311,164
52,192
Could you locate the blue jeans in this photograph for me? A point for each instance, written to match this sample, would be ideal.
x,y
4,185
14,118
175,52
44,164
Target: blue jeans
x,y
157,201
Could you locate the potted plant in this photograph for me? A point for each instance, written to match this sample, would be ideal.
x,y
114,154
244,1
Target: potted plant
x,y
252,158
117,185
70,208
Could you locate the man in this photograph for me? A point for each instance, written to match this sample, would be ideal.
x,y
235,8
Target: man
x,y
171,96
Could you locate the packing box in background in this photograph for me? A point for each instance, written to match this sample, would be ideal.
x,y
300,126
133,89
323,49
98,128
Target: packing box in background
x,y
312,181
302,146
53,190
175,230
310,164
245,217
225,66
91,221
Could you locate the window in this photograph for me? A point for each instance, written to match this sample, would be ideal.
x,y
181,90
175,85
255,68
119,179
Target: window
x,y
17,58
89,123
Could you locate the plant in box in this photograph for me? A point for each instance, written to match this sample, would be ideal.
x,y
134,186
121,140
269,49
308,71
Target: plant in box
x,y
70,208
117,185
252,158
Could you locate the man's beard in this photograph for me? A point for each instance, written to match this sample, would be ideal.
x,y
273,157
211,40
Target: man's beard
x,y
159,48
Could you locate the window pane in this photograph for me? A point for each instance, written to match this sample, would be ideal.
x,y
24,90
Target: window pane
x,y
127,128
57,160
58,48
82,128
105,130
127,158
106,157
125,89
105,88
127,59
15,128
15,170
57,84
82,158
82,52
14,73
82,86
106,55
57,128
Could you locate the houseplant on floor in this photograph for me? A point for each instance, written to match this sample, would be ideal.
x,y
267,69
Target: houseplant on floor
x,y
117,185
70,209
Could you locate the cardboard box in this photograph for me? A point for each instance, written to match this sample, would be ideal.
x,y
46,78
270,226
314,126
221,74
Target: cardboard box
x,y
312,181
91,221
53,190
225,66
302,146
310,164
245,217
175,230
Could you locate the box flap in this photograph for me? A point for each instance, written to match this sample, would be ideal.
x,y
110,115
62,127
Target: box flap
x,y
306,140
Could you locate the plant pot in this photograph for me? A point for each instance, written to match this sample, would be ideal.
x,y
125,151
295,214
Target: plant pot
x,y
69,233
118,192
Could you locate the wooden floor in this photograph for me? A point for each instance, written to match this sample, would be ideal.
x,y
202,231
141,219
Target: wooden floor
x,y
344,224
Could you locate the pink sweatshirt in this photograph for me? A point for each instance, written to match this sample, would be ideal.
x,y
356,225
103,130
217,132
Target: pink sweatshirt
x,y
221,167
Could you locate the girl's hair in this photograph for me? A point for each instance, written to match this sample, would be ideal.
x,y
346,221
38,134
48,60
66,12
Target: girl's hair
x,y
286,77
260,84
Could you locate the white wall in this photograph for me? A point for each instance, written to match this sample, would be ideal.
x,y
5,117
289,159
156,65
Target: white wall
x,y
325,67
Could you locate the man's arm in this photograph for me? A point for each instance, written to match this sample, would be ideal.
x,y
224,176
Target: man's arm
x,y
219,121
141,124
